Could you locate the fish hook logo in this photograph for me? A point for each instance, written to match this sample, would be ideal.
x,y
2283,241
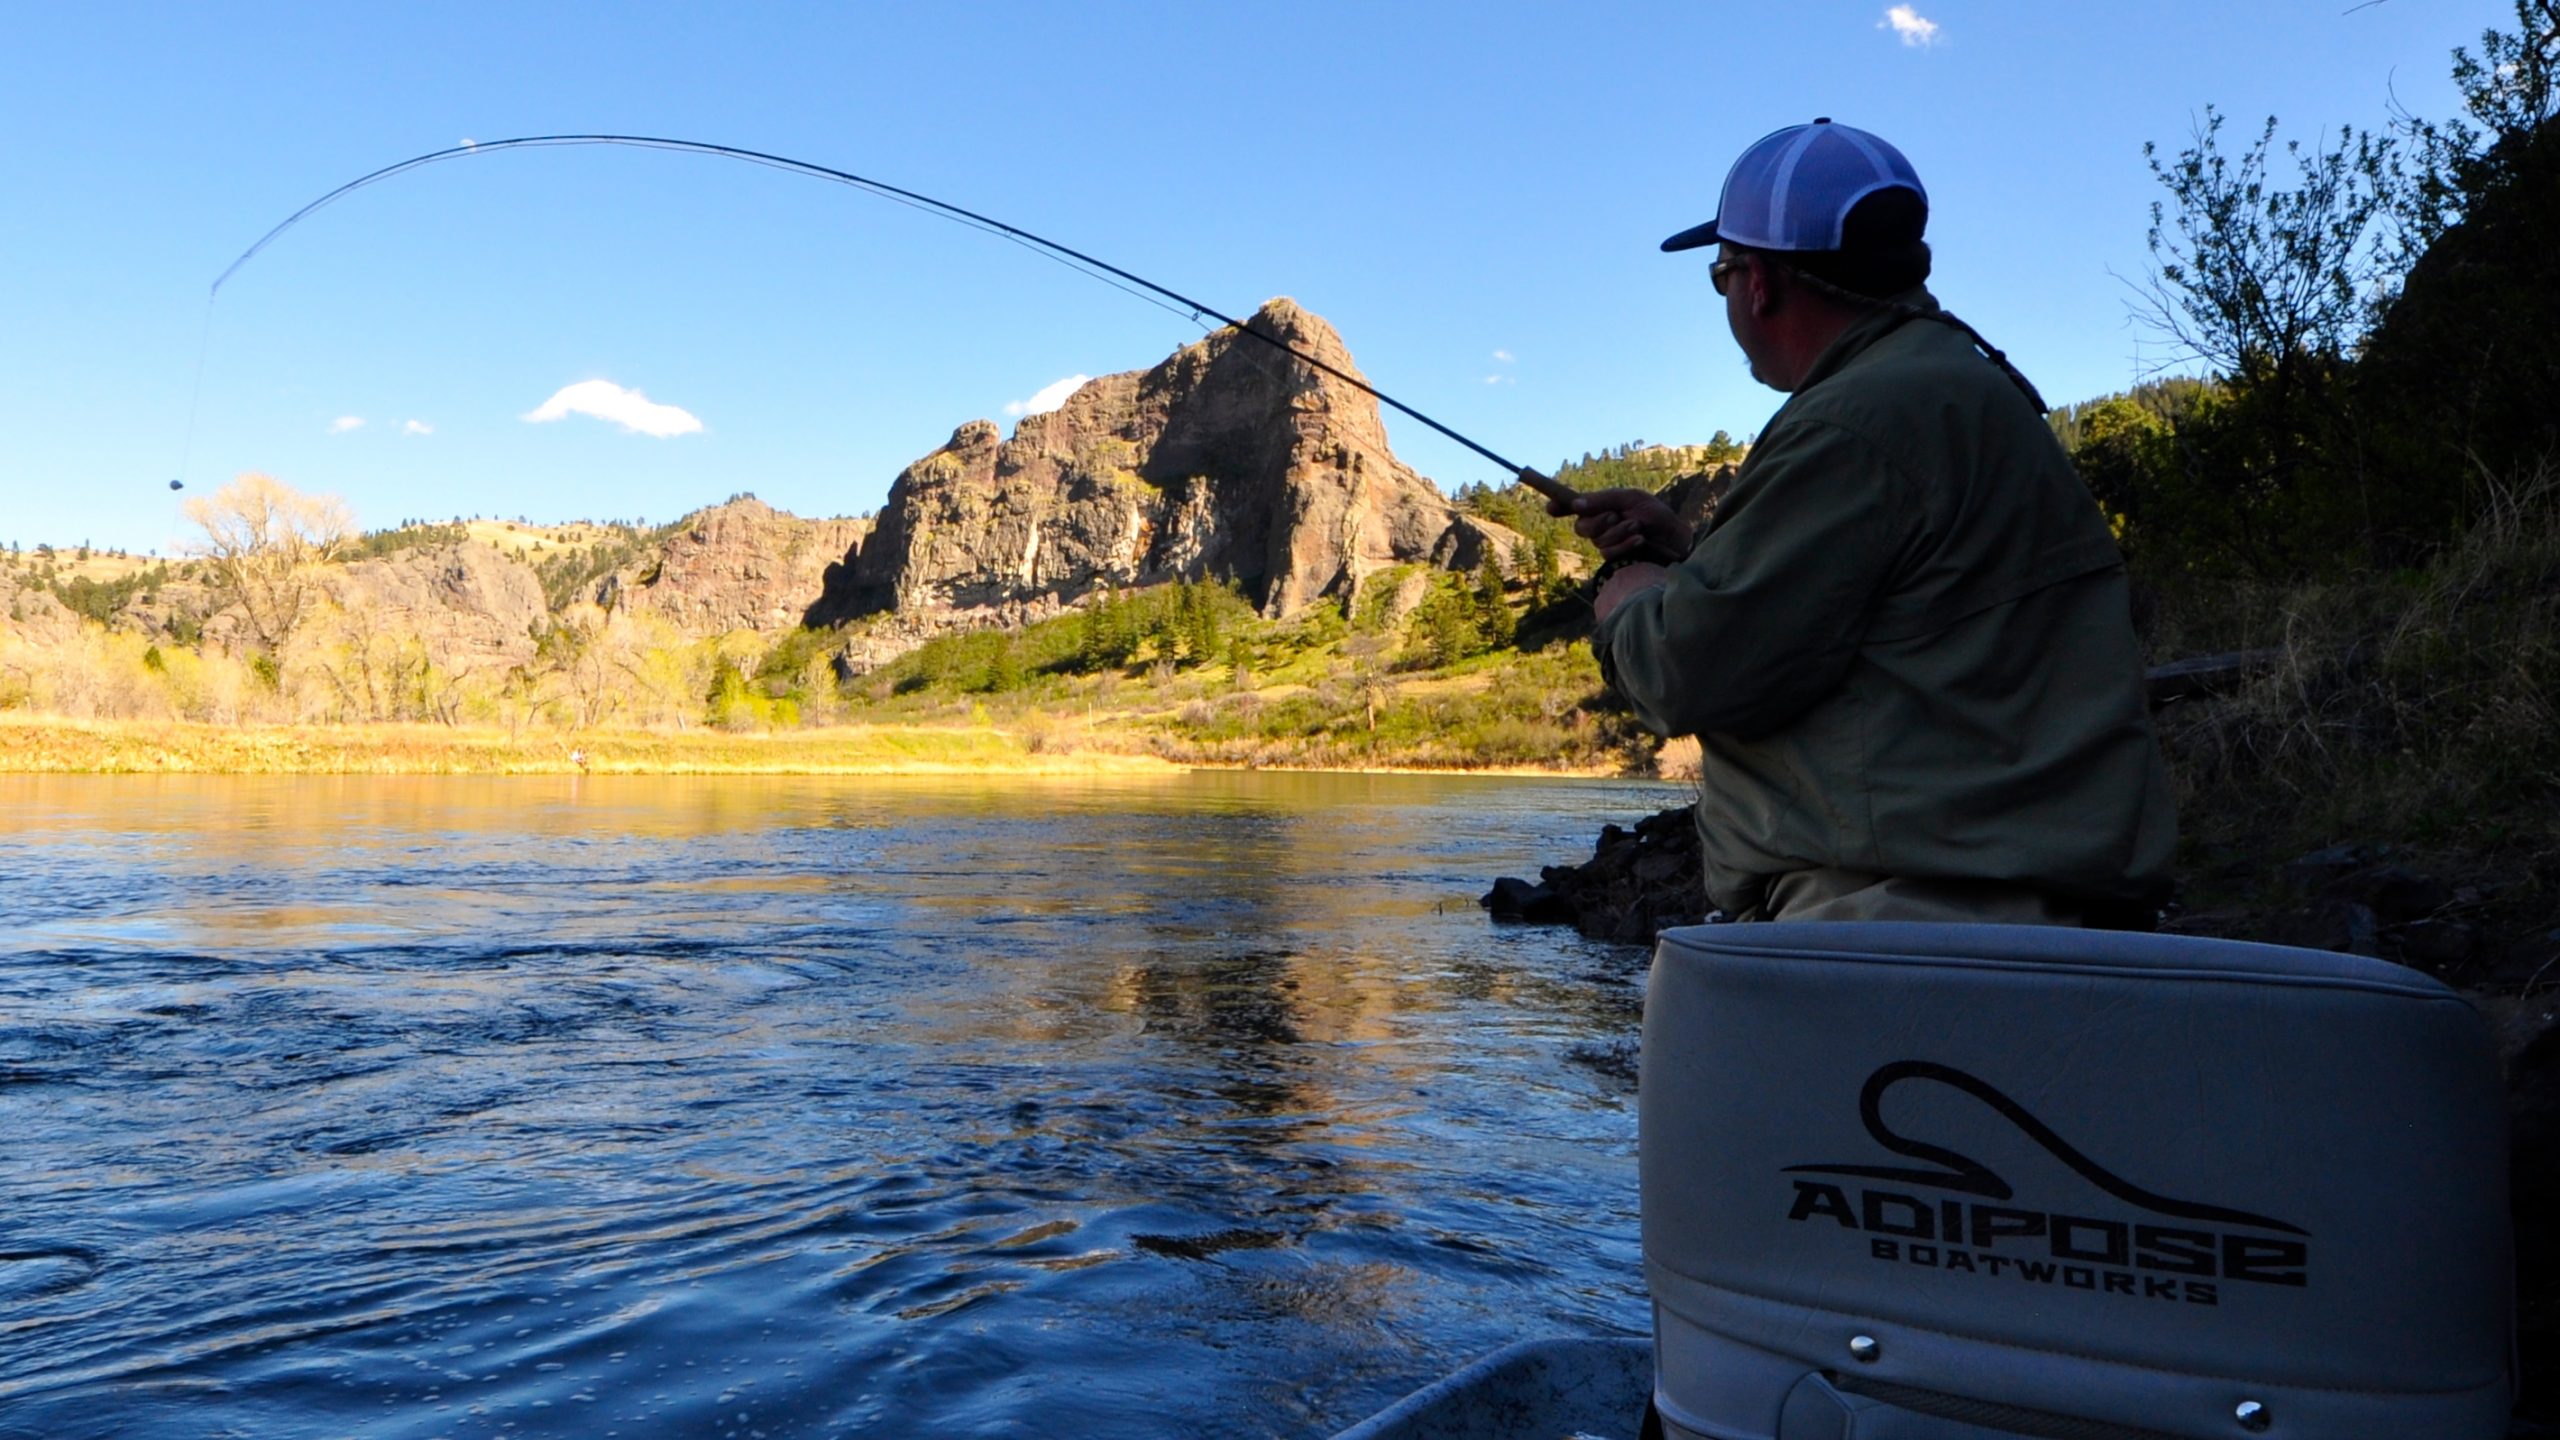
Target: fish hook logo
x,y
2181,1251
1968,1176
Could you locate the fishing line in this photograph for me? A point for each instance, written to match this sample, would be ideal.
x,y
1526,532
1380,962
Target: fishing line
x,y
1073,259
195,399
987,228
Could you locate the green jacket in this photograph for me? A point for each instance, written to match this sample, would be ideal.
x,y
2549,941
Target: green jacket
x,y
1905,643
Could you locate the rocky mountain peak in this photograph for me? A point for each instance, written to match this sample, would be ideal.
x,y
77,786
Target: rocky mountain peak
x,y
1230,460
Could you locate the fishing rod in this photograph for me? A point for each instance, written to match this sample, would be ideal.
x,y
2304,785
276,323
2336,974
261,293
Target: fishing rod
x,y
1073,259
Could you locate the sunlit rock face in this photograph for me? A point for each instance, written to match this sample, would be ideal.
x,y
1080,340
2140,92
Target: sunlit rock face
x,y
742,565
1231,461
28,612
467,604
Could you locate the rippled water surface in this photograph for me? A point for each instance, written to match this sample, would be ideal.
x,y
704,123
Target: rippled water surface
x,y
791,1107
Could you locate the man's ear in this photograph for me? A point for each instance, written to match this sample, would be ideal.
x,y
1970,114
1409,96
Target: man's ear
x,y
1768,285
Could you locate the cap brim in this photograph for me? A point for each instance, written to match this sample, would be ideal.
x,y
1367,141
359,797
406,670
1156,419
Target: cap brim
x,y
1692,238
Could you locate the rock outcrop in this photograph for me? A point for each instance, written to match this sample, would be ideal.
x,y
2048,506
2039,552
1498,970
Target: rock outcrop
x,y
1636,884
470,605
1232,460
742,565
181,609
29,612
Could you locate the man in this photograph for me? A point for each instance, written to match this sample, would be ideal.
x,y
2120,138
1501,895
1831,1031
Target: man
x,y
1904,641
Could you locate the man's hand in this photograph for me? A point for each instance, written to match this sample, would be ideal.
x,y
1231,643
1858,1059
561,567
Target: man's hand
x,y
1626,524
1625,584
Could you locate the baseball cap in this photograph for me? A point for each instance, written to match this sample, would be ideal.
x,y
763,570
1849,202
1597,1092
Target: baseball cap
x,y
1794,188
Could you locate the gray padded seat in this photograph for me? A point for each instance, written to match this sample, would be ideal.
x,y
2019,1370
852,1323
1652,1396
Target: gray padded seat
x,y
1968,1182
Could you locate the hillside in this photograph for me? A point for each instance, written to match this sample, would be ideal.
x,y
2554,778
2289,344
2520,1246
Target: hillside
x,y
1215,559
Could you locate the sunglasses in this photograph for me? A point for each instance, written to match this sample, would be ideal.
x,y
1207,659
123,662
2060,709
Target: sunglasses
x,y
1720,274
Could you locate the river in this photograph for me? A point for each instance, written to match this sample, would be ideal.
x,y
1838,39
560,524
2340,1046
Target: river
x,y
579,1107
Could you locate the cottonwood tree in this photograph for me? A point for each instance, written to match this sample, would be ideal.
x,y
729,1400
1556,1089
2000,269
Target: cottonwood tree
x,y
374,671
573,672
265,541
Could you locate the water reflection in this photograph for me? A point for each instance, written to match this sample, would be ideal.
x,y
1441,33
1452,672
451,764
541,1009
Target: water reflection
x,y
574,1106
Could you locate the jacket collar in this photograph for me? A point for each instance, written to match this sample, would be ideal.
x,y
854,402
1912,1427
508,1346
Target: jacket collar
x,y
1865,331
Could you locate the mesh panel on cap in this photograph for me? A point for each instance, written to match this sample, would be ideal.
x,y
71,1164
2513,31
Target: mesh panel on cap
x,y
1792,189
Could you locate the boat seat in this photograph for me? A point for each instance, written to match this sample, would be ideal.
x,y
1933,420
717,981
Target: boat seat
x,y
1981,1182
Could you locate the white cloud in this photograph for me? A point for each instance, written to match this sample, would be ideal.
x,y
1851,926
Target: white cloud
x,y
1048,398
345,423
629,409
1914,28
1504,356
417,427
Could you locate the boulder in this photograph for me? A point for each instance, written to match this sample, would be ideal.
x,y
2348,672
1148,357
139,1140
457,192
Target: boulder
x,y
1512,898
1637,883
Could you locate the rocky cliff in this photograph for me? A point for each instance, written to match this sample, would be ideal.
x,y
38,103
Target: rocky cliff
x,y
739,566
1231,460
468,604
32,614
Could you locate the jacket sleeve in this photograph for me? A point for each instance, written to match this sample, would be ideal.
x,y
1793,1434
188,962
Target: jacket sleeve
x,y
1762,618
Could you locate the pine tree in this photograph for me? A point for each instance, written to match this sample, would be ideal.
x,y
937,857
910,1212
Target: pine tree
x,y
1546,570
1200,623
1493,612
1004,667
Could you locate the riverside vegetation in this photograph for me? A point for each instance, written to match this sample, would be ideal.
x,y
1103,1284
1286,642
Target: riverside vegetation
x,y
2363,496
107,665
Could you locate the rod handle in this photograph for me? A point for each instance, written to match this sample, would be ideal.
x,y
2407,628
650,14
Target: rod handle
x,y
1552,488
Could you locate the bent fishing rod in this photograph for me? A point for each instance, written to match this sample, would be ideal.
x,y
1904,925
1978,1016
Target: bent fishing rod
x,y
1074,259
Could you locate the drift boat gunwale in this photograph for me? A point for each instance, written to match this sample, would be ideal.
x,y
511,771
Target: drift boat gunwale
x,y
1547,1389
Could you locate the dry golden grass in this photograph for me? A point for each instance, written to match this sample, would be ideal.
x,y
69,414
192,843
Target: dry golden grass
x,y
2416,712
100,566
2423,705
36,744
521,540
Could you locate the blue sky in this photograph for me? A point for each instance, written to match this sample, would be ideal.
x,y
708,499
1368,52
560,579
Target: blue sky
x,y
1472,194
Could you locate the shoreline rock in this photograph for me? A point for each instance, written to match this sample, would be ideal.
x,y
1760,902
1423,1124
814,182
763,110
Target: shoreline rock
x,y
1636,884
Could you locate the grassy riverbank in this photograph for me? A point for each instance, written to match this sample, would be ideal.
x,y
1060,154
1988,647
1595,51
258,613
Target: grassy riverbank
x,y
1126,685
2410,716
1032,743
34,744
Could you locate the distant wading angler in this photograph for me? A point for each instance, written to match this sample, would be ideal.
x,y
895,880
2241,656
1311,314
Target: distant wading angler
x,y
1904,640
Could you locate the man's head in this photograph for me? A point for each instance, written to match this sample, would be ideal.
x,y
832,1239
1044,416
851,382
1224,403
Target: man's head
x,y
1812,219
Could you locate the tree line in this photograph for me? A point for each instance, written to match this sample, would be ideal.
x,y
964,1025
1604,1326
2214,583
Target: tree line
x,y
2376,314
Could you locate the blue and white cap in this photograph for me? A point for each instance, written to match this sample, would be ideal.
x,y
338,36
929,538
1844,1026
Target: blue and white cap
x,y
1794,188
